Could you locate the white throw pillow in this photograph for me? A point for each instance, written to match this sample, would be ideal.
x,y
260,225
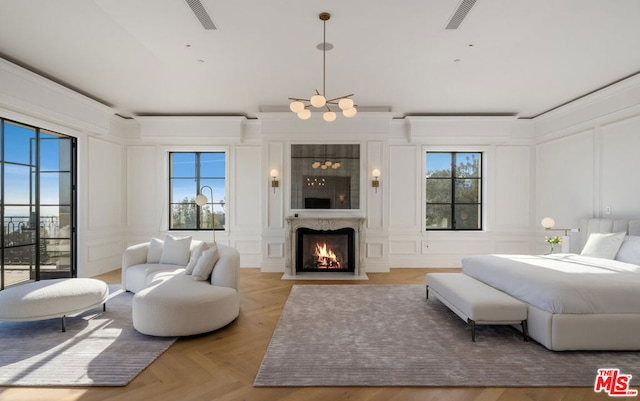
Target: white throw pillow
x,y
175,250
629,251
196,252
206,263
155,250
605,246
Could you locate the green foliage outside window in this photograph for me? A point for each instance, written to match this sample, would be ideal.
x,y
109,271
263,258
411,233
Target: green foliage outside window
x,y
189,173
453,191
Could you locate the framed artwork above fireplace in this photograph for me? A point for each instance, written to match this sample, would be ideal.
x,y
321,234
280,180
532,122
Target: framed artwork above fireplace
x,y
325,176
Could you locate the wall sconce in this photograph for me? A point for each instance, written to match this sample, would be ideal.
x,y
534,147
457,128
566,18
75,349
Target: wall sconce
x,y
274,182
375,183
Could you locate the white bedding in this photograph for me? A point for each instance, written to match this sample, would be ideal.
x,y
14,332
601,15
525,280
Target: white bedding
x,y
561,283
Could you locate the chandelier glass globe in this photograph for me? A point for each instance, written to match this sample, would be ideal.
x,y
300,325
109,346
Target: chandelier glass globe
x,y
304,114
296,106
318,101
345,103
349,112
329,116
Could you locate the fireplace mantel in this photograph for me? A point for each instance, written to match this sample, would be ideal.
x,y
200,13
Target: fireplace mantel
x,y
324,224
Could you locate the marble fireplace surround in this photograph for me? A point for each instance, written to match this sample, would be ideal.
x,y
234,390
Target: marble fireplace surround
x,y
324,224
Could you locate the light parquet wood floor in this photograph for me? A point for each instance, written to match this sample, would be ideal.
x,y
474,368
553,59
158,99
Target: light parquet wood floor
x,y
222,365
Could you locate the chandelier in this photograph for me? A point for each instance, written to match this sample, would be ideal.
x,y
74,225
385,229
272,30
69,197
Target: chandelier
x,y
319,100
326,164
326,161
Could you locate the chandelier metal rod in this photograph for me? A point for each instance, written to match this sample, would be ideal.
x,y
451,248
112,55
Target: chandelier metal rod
x,y
332,101
324,54
340,97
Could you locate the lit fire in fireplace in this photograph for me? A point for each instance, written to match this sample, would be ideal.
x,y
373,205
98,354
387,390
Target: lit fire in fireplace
x,y
326,259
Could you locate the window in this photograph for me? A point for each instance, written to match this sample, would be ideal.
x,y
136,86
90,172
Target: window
x,y
37,204
191,172
454,191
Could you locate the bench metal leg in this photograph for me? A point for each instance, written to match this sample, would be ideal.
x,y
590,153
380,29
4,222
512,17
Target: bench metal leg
x,y
104,307
427,292
472,324
525,333
64,326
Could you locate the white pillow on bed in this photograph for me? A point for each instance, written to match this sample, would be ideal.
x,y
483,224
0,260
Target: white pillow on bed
x,y
601,245
630,250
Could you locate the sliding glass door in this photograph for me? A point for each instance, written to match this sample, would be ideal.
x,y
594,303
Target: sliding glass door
x,y
38,204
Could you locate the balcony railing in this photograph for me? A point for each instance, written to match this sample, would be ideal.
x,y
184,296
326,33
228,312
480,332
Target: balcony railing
x,y
48,224
20,240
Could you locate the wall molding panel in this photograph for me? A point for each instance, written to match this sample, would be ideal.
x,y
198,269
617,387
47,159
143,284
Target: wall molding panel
x,y
570,163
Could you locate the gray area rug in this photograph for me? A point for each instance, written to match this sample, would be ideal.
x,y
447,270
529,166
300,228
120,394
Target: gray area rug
x,y
389,335
98,348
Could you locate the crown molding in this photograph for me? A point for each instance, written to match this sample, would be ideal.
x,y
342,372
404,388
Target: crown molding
x,y
35,96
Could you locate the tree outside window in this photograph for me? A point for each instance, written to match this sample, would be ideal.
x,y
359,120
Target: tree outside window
x,y
189,172
454,191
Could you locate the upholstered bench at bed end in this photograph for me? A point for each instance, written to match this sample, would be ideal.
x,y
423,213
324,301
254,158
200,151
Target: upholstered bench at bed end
x,y
475,302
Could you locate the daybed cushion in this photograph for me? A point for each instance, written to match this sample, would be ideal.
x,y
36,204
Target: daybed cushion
x,y
51,298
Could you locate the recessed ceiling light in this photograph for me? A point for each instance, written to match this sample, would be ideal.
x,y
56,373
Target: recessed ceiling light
x,y
328,45
201,61
457,60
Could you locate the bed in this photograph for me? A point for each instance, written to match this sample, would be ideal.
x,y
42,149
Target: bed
x,y
575,302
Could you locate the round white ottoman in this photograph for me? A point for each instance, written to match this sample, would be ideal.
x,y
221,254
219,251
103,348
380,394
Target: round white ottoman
x,y
176,305
47,299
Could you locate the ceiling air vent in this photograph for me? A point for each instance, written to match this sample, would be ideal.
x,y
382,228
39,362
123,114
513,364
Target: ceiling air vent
x,y
460,14
201,14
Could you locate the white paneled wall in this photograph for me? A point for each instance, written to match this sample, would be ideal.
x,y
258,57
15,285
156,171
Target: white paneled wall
x,y
247,205
565,178
586,158
577,161
275,211
142,183
405,189
101,205
376,240
147,180
620,175
511,189
104,187
507,190
246,183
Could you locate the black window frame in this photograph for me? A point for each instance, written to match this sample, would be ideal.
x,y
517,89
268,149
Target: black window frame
x,y
39,241
198,178
453,204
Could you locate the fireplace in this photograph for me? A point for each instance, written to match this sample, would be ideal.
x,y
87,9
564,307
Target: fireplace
x,y
344,236
325,251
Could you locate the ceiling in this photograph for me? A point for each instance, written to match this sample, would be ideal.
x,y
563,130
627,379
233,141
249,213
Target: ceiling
x,y
153,57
